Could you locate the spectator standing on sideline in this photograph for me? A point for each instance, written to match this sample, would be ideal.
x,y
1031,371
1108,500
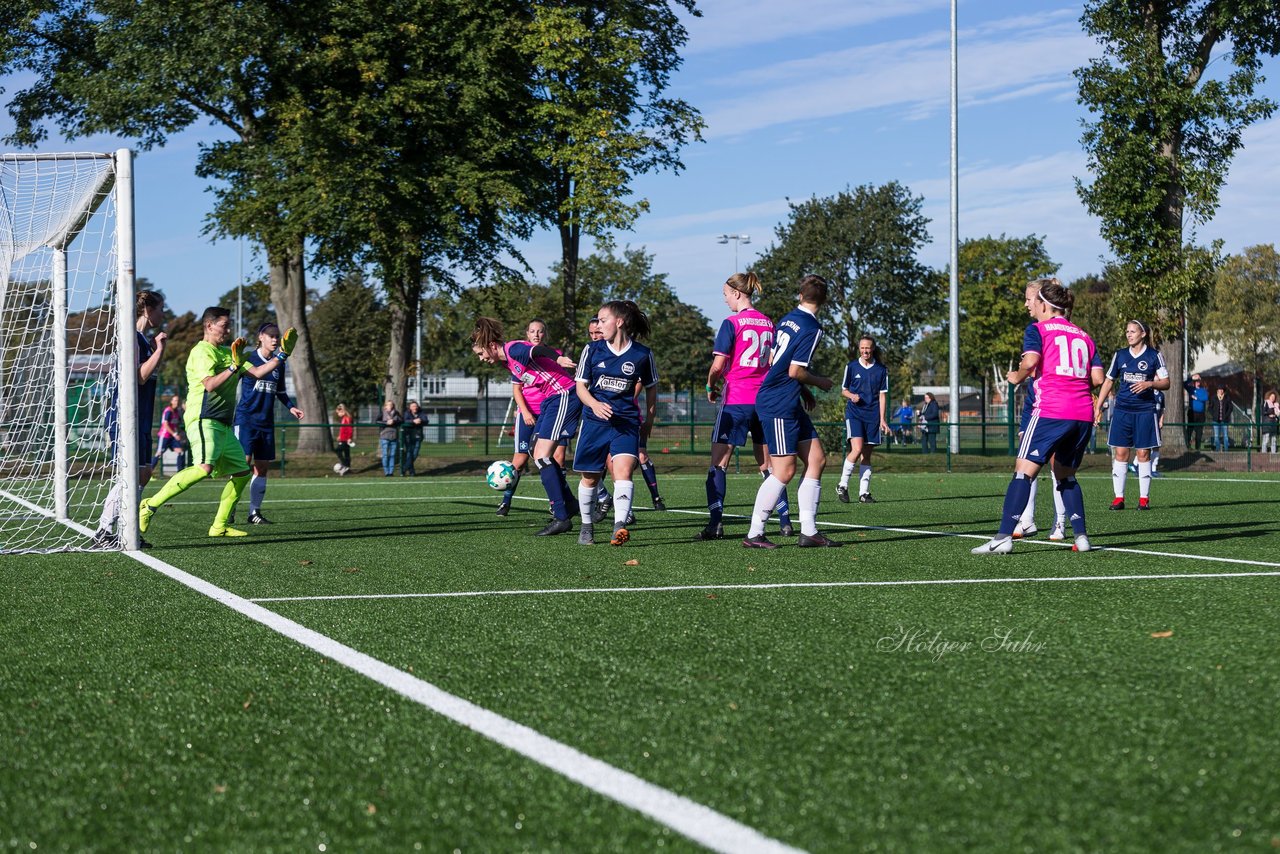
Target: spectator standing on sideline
x,y
1270,418
930,424
1197,403
1220,408
346,439
170,435
414,421
906,415
389,437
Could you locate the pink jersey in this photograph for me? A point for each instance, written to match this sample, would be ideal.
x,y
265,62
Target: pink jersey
x,y
1067,356
745,340
540,378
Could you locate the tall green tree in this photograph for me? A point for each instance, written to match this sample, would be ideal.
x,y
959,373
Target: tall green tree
x,y
1095,313
348,327
600,115
1245,315
1161,140
864,241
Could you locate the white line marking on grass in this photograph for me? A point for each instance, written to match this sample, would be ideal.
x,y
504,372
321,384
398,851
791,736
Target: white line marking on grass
x,y
699,823
782,585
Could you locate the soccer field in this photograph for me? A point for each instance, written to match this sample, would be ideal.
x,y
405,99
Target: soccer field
x,y
391,666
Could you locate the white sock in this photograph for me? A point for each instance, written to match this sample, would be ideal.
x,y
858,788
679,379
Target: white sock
x,y
257,492
1028,516
864,479
1059,509
110,510
1155,461
766,499
807,496
622,492
845,471
1144,478
1119,471
586,501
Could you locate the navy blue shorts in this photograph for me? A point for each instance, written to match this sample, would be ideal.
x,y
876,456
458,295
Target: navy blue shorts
x,y
1064,440
259,443
1134,430
598,439
734,423
170,443
558,420
783,434
526,435
867,431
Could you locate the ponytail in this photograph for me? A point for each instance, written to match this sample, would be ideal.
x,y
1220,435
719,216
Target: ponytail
x,y
746,283
633,319
145,300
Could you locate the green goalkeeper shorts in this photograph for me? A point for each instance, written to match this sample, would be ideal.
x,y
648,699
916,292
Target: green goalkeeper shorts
x,y
214,444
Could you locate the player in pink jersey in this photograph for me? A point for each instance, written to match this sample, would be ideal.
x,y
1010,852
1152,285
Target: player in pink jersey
x,y
541,366
528,400
741,360
1069,369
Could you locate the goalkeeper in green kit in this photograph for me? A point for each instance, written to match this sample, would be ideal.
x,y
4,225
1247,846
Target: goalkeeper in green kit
x,y
213,372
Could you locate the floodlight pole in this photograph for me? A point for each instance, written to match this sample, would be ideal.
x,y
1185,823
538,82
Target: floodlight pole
x,y
736,238
954,291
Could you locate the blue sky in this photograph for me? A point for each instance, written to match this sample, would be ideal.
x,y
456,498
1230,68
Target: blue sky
x,y
805,98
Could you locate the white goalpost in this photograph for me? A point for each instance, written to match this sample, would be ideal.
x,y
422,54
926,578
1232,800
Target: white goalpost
x,y
66,328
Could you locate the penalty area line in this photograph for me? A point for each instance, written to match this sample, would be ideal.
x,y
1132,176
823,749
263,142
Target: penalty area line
x,y
699,823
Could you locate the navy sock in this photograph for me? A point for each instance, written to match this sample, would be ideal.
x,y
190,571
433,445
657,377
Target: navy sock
x,y
1073,503
715,494
510,491
783,509
553,482
650,478
1015,502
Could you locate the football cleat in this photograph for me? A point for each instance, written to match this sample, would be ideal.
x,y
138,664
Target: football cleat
x,y
224,531
586,536
145,512
659,504
1059,532
1144,503
1024,529
994,546
760,542
842,493
1081,544
620,536
258,519
557,526
711,532
1117,504
631,518
599,512
504,509
104,539
865,498
818,540
786,530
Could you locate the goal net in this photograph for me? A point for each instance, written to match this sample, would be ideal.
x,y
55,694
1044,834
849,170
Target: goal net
x,y
66,327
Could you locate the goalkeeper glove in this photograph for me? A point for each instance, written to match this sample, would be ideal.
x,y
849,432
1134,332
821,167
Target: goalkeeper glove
x,y
289,341
239,353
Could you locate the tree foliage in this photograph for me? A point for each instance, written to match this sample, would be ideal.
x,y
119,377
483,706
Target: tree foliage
x,y
1245,317
1095,313
350,340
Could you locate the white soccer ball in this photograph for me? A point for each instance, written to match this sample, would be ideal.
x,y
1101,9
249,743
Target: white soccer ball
x,y
337,468
500,475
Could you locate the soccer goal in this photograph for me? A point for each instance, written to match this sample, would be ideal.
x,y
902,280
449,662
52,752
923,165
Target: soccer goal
x,y
66,327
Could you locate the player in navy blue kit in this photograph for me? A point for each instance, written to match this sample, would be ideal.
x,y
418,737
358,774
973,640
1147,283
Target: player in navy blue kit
x,y
608,373
866,392
1136,373
149,310
255,419
783,405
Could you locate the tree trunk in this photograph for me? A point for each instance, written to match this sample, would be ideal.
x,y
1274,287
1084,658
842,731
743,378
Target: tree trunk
x,y
403,282
1173,440
289,295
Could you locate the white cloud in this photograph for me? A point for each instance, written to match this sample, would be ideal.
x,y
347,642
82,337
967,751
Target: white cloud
x,y
737,24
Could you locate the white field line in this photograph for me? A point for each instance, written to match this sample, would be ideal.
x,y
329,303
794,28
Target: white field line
x,y
695,821
48,514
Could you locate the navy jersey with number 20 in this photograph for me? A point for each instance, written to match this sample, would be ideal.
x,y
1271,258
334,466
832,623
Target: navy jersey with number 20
x,y
795,340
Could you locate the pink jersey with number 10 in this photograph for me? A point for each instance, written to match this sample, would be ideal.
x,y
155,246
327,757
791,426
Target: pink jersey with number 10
x,y
745,340
1067,356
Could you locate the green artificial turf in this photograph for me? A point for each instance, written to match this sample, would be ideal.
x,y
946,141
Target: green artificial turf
x,y
1039,715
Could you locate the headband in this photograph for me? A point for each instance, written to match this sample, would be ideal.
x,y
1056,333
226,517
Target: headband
x,y
1040,296
1145,331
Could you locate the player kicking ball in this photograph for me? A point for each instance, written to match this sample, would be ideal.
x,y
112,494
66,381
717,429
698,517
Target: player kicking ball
x,y
255,421
212,369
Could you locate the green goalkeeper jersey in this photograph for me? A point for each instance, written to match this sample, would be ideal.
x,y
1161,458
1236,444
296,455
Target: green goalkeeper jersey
x,y
207,360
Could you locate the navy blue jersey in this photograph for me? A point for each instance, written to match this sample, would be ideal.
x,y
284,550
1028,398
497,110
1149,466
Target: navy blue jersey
x,y
146,396
795,340
614,378
867,383
257,405
1127,369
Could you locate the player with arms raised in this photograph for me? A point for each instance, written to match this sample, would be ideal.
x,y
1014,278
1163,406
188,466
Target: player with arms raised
x,y
1069,370
255,421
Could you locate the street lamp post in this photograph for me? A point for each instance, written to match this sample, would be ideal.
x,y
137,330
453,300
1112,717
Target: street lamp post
x,y
737,239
